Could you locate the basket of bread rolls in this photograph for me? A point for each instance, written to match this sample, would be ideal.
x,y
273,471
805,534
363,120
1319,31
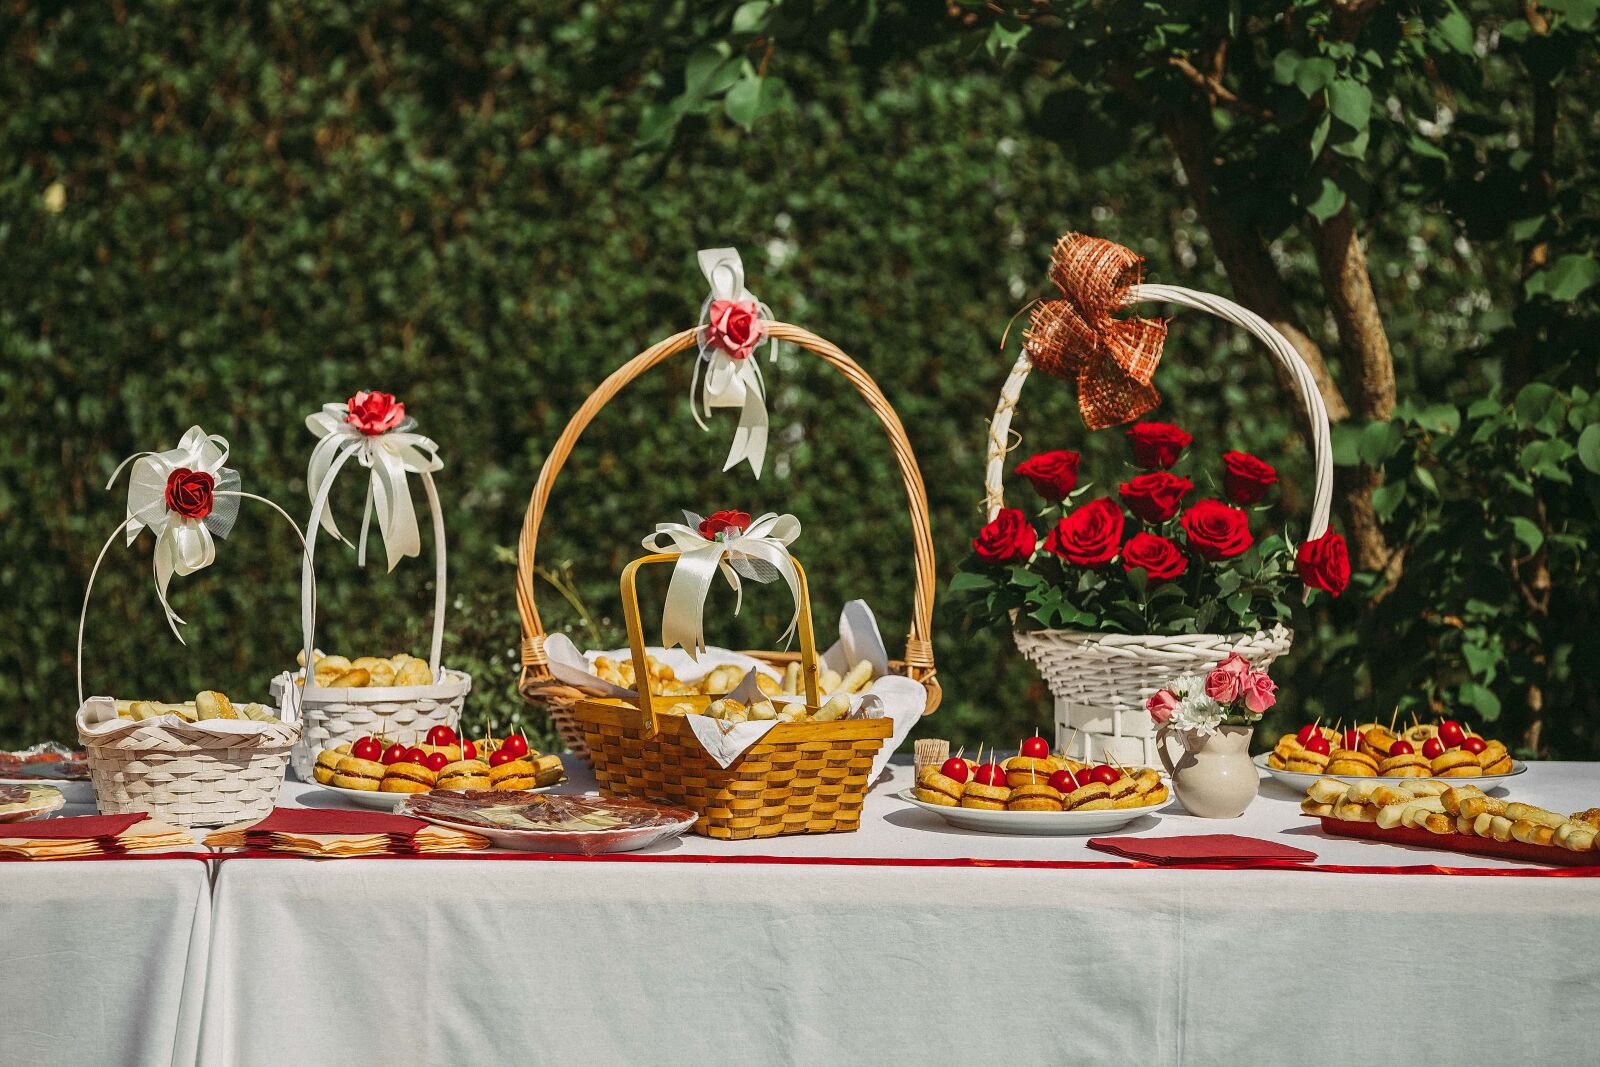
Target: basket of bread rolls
x,y
541,685
344,697
790,763
202,762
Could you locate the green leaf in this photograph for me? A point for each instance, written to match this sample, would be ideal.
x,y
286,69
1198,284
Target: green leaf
x,y
1454,31
710,70
751,17
1387,497
966,582
1589,447
1313,75
1284,64
1564,280
1481,661
1580,14
1379,441
1328,201
1440,418
1483,700
1002,39
1350,102
754,98
1533,403
1354,147
1527,532
1346,444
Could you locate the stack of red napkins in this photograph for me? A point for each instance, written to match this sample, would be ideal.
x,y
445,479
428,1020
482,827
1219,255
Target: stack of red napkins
x,y
88,835
335,833
1200,848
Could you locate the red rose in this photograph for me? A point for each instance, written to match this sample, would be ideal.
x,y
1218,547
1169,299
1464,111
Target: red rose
x,y
1007,538
1157,444
1215,530
189,492
1160,558
720,521
1053,474
1324,563
1246,478
374,413
1154,497
1089,536
734,327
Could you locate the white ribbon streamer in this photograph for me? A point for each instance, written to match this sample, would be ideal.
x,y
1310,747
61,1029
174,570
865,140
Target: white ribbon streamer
x,y
184,544
724,381
390,456
761,545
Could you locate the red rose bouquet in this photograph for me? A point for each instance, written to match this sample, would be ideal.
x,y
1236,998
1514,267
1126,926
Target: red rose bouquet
x,y
1149,561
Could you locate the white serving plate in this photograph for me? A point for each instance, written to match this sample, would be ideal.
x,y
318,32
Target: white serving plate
x,y
42,801
73,790
1301,781
381,801
1034,823
588,842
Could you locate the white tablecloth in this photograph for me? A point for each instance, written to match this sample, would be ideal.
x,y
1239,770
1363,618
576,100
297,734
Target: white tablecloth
x,y
103,962
610,961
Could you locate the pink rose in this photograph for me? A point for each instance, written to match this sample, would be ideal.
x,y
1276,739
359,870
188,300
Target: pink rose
x,y
1260,692
374,413
1161,706
735,328
1222,686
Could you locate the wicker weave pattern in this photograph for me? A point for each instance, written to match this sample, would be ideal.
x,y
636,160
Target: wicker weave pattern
x,y
401,712
187,777
812,779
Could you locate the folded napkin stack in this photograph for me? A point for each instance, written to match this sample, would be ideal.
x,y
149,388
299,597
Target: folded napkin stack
x,y
329,833
1200,848
89,835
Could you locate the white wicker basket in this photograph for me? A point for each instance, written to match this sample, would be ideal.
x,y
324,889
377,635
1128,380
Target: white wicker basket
x,y
334,716
1101,681
209,773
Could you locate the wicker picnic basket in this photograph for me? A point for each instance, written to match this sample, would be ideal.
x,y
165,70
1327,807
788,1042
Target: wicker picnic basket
x,y
334,716
538,684
799,778
1101,680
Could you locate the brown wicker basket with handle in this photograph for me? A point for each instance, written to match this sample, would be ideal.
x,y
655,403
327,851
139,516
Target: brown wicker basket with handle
x,y
538,685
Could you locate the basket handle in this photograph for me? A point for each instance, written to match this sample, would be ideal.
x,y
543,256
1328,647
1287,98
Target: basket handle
x,y
641,672
308,580
83,615
1277,344
919,644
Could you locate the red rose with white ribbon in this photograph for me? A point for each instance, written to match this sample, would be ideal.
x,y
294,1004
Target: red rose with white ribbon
x,y
1247,479
1217,531
1053,474
1324,563
735,326
1157,444
720,522
374,413
189,493
1154,497
729,543
1090,536
1160,559
1007,538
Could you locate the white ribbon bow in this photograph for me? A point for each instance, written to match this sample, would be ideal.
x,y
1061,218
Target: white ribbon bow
x,y
390,456
758,552
730,382
183,543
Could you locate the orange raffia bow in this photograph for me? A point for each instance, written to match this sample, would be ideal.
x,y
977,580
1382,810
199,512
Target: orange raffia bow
x,y
1076,338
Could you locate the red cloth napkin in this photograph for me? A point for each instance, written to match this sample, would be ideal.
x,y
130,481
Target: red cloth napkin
x,y
72,828
333,821
1201,848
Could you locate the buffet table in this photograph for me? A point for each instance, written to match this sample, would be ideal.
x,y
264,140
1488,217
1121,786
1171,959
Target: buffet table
x,y
909,939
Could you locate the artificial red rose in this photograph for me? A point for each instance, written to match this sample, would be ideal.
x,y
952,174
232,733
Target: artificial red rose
x,y
735,327
1324,563
189,492
1007,538
374,413
1154,497
1157,444
1160,558
721,521
1053,474
1246,478
1215,530
1090,536
1223,686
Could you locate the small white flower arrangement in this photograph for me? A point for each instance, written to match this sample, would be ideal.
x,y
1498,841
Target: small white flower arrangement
x,y
1197,705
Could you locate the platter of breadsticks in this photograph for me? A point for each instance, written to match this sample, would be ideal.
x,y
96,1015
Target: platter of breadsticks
x,y
1445,751
1036,793
1459,817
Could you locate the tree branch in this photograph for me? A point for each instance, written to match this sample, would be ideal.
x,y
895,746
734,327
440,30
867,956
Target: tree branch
x,y
1215,92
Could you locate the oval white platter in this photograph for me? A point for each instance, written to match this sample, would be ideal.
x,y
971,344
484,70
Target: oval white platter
x,y
73,790
1301,781
40,800
1034,823
381,801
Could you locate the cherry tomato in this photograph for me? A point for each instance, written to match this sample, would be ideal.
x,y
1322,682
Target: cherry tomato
x,y
1451,733
469,750
441,736
395,753
367,748
1434,748
1036,747
515,744
991,774
417,756
1474,745
1062,781
1319,745
1401,748
1104,774
435,761
1352,739
1307,732
955,769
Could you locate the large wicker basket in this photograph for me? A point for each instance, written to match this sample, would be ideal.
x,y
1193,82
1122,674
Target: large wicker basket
x,y
334,716
1100,681
540,686
799,778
